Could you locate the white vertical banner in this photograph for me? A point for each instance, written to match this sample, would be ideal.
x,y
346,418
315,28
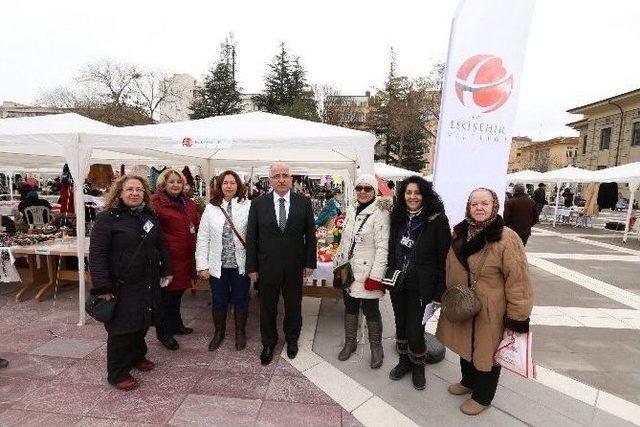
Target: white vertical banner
x,y
479,98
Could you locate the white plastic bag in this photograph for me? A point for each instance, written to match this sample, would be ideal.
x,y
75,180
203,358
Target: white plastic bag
x,y
514,354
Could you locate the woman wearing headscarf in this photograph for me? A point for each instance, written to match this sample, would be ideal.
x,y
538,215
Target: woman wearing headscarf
x,y
484,248
128,258
179,221
418,245
329,210
366,229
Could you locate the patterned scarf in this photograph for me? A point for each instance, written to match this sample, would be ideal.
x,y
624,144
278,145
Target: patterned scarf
x,y
476,227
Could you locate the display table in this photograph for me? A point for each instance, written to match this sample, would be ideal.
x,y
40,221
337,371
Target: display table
x,y
320,283
49,254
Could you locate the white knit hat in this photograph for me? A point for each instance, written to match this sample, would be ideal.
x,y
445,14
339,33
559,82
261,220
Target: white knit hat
x,y
368,180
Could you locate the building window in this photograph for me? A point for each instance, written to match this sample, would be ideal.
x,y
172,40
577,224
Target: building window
x,y
605,138
584,144
635,136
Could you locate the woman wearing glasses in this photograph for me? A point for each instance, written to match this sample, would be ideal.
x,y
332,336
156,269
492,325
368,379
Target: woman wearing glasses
x,y
364,245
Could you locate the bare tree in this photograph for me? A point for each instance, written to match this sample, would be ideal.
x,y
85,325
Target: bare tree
x,y
152,90
113,82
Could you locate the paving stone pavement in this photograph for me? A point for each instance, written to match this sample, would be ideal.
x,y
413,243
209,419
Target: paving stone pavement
x,y
586,343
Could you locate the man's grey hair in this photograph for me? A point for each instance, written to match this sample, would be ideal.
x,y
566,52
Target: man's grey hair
x,y
274,165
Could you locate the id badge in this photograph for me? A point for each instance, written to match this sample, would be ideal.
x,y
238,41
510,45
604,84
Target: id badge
x,y
147,226
359,239
406,242
192,229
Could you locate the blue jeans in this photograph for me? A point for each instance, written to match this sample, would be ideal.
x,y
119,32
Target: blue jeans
x,y
230,287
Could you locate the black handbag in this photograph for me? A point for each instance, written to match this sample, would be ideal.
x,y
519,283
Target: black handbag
x,y
343,275
101,309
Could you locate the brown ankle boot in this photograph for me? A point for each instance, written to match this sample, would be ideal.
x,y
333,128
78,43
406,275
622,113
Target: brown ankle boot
x,y
220,324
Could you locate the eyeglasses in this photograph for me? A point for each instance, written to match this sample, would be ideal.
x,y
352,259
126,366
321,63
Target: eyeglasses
x,y
365,189
281,176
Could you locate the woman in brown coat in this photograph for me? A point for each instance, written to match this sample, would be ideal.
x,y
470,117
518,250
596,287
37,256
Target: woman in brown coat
x,y
503,286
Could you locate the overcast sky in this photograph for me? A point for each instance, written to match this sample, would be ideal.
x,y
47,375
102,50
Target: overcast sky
x,y
579,51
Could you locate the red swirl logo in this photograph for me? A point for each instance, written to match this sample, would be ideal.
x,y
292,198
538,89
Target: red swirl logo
x,y
483,81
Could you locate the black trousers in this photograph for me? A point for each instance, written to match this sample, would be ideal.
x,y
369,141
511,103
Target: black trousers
x,y
123,353
269,297
408,310
171,317
370,307
484,384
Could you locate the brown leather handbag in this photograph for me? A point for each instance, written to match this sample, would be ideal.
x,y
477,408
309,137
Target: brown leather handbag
x,y
460,302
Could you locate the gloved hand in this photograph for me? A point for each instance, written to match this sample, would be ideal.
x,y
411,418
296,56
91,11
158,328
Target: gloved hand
x,y
373,285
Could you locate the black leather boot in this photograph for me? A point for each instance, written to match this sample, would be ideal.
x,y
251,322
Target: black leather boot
x,y
241,329
403,367
220,324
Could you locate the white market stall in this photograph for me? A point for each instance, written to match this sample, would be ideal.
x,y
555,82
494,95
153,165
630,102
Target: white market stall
x,y
242,141
566,174
630,174
72,139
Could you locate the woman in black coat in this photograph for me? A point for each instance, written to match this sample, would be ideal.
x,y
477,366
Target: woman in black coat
x,y
418,244
128,257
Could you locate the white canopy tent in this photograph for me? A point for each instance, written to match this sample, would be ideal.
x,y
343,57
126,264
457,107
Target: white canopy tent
x,y
242,141
257,139
630,174
566,174
72,139
390,172
526,176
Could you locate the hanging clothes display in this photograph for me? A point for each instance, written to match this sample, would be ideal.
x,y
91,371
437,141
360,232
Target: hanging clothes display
x,y
187,175
154,173
100,176
608,195
140,170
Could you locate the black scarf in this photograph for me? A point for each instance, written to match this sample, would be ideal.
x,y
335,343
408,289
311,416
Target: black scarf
x,y
464,248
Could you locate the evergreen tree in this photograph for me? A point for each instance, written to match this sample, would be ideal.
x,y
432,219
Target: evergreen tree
x,y
397,117
286,89
220,93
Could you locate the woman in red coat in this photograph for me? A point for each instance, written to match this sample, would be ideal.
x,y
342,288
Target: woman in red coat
x,y
179,223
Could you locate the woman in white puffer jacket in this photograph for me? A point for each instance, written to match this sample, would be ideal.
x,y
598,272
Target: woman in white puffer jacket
x,y
366,228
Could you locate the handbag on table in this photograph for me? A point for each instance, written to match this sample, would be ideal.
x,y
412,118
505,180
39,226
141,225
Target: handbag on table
x,y
460,302
343,275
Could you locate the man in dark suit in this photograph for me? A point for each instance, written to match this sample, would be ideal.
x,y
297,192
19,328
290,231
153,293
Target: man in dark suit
x,y
281,249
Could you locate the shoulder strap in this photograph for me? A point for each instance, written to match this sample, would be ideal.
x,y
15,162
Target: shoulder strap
x,y
226,215
353,242
475,275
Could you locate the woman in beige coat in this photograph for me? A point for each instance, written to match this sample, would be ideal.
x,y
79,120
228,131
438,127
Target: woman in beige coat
x,y
366,228
503,287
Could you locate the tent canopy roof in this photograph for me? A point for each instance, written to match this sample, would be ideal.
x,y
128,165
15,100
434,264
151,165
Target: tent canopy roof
x,y
385,171
568,174
624,173
524,176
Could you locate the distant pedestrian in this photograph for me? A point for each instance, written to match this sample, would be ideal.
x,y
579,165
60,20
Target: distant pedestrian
x,y
567,194
520,213
540,197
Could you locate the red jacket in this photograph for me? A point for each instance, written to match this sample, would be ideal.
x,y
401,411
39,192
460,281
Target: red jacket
x,y
180,227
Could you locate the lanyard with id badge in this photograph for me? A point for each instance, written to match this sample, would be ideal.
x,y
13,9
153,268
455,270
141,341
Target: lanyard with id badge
x,y
408,243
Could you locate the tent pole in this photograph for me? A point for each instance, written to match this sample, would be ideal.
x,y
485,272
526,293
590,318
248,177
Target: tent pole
x,y
633,186
11,185
555,211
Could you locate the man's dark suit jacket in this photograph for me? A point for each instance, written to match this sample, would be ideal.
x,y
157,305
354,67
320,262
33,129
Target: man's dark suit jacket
x,y
280,257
